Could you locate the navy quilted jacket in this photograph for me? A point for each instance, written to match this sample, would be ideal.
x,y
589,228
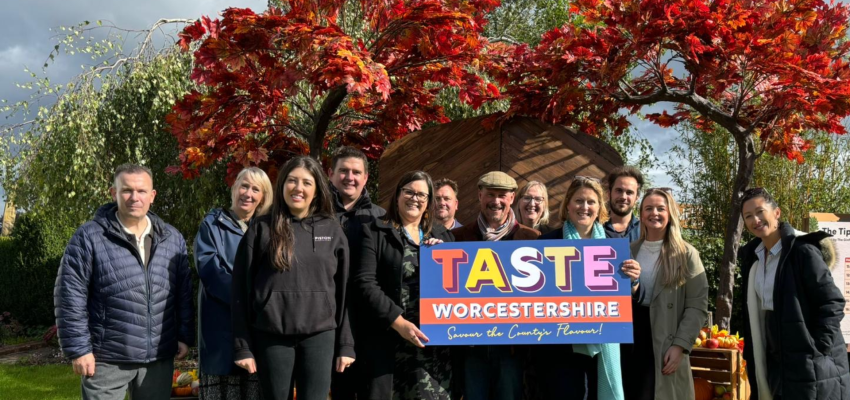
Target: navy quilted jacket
x,y
109,304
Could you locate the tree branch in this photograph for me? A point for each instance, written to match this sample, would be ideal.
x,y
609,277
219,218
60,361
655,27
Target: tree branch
x,y
695,101
10,128
692,87
142,47
329,106
503,39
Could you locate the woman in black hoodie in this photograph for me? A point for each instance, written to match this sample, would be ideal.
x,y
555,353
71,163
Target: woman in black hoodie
x,y
289,312
396,364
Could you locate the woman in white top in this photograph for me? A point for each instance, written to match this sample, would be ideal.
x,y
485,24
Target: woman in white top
x,y
671,306
792,309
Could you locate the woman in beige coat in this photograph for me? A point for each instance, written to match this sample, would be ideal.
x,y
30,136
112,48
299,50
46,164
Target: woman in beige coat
x,y
671,305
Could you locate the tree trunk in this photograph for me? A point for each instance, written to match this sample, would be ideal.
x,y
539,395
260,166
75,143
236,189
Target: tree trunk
x,y
323,120
8,219
746,166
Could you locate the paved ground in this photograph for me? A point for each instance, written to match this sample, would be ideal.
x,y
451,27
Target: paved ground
x,y
15,357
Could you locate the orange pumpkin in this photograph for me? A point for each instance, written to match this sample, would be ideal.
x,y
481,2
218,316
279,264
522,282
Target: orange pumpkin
x,y
703,389
182,391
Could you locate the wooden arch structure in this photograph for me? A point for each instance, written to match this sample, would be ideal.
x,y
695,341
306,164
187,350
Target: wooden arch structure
x,y
525,148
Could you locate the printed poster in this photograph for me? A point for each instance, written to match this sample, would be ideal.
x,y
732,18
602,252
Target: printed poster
x,y
839,227
525,292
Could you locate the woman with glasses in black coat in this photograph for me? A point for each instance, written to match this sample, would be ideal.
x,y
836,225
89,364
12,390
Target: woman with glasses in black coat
x,y
395,364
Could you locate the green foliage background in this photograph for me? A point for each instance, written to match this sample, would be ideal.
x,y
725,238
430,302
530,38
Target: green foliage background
x,y
702,165
29,260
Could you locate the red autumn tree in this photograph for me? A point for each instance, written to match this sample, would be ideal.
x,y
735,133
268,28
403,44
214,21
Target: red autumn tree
x,y
765,70
290,82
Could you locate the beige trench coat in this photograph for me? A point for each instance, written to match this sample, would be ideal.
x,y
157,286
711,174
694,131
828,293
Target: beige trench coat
x,y
676,316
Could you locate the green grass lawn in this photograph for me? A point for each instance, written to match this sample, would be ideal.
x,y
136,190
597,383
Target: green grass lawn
x,y
45,382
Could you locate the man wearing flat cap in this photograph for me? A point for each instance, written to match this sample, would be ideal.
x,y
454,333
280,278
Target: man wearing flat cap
x,y
493,372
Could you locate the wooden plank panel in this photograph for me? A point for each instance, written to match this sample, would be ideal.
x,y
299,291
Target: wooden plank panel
x,y
713,376
534,150
461,151
525,148
712,363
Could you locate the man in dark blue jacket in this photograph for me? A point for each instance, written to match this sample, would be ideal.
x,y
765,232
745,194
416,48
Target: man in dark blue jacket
x,y
123,296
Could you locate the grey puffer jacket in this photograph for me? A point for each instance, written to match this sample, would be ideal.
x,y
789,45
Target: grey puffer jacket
x,y
109,304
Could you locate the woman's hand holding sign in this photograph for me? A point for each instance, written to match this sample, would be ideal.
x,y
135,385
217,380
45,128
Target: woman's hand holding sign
x,y
409,331
632,269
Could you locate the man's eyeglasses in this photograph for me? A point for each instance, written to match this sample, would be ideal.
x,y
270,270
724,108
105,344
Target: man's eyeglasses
x,y
409,194
529,199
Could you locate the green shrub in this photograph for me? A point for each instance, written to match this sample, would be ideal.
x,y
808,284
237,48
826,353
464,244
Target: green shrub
x,y
711,253
29,261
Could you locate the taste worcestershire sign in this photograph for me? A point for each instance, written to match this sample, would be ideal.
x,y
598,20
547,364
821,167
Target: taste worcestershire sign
x,y
526,292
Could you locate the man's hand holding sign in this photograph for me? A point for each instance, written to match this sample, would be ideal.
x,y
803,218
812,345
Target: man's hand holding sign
x,y
527,292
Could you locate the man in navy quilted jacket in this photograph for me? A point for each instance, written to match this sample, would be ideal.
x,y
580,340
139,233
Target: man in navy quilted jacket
x,y
123,296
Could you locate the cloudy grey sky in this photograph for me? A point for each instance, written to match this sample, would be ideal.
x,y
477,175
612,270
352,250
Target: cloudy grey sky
x,y
26,41
26,36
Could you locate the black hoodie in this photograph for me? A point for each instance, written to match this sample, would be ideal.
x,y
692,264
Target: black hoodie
x,y
308,298
363,211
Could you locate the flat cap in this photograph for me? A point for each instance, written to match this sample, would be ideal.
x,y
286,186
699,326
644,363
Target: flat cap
x,y
497,180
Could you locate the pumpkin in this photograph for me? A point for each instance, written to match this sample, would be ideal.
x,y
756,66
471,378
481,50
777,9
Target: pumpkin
x,y
185,379
182,391
703,390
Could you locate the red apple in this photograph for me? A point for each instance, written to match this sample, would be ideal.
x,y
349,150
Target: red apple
x,y
712,343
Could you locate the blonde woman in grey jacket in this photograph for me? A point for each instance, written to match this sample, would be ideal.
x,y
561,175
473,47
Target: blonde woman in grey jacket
x,y
670,308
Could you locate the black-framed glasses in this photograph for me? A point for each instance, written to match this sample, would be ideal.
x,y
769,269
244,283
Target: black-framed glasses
x,y
410,194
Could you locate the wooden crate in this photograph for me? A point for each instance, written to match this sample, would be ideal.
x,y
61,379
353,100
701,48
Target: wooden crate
x,y
721,366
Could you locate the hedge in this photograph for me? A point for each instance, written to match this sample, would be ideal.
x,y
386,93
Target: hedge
x,y
29,261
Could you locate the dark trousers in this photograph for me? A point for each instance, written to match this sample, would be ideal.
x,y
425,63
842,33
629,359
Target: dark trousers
x,y
306,360
344,385
492,372
561,373
637,361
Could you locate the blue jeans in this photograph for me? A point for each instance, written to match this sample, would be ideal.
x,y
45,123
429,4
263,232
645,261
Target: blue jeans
x,y
492,372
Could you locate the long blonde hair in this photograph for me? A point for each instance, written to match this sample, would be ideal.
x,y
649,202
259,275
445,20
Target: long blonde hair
x,y
674,258
544,215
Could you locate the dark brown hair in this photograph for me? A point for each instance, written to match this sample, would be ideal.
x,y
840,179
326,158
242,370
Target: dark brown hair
x,y
393,215
282,238
349,152
625,170
757,192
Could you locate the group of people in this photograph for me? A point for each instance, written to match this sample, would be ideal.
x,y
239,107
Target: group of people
x,y
308,286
